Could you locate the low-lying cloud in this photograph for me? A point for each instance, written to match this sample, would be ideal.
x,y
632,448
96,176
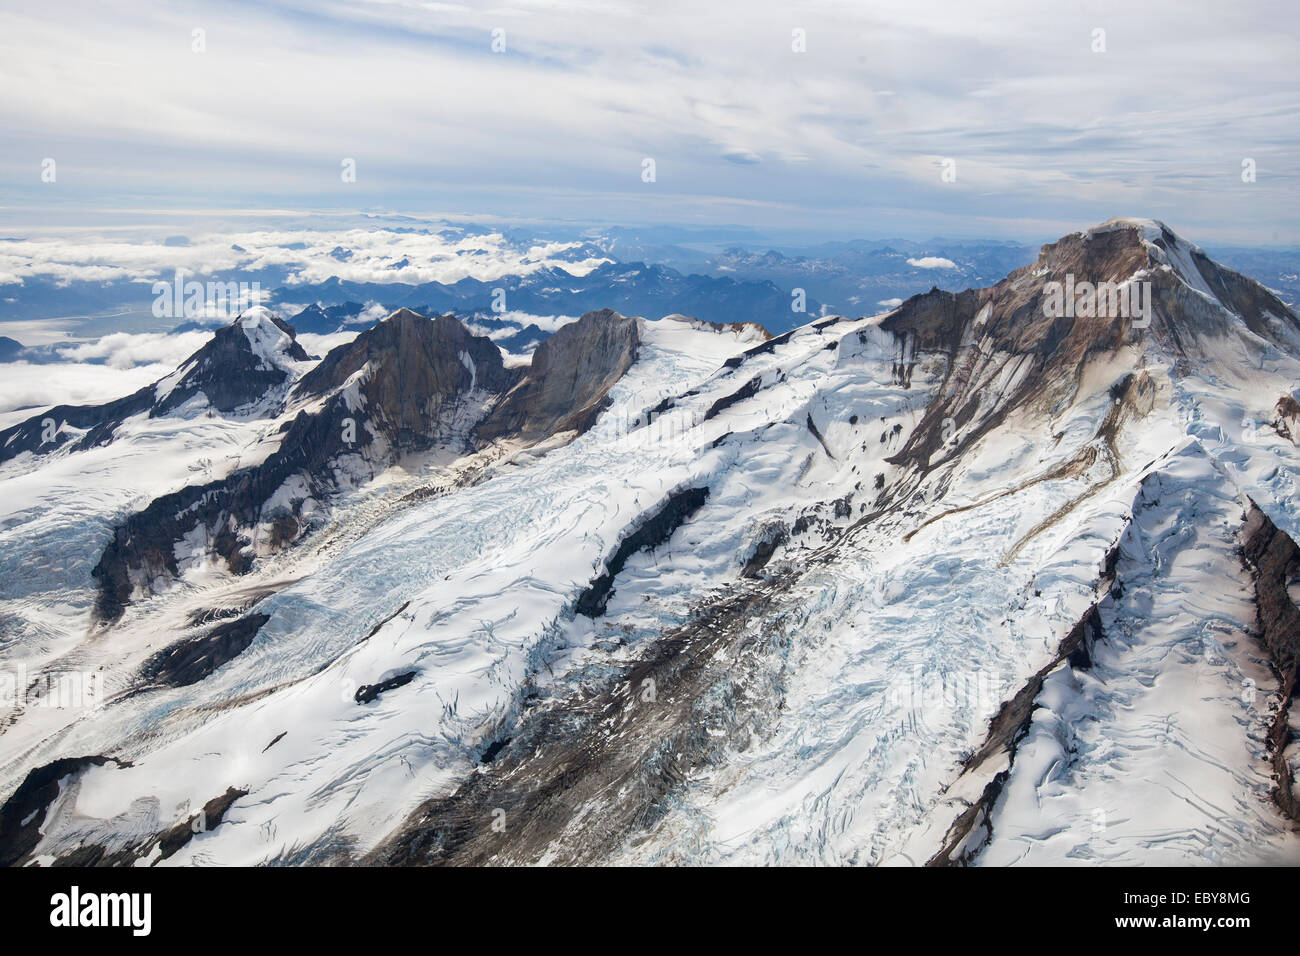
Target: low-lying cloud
x,y
305,256
124,350
26,389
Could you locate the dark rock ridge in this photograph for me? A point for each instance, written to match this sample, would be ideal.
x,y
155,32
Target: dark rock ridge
x,y
24,812
227,370
77,426
567,385
409,384
972,828
651,533
169,841
193,659
17,850
1274,562
748,390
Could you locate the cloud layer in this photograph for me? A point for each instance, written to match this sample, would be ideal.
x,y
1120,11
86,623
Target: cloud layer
x,y
892,117
307,256
26,388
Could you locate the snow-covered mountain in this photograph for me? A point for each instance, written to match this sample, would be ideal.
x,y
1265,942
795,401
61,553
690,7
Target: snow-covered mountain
x,y
233,372
1008,575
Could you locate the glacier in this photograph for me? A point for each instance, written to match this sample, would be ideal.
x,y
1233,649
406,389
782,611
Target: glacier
x,y
949,583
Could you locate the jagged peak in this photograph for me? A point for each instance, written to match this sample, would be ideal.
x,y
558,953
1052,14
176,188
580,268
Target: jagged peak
x,y
567,384
409,315
406,320
1133,241
408,340
272,340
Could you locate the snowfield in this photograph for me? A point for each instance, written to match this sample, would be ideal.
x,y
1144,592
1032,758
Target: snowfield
x,y
812,664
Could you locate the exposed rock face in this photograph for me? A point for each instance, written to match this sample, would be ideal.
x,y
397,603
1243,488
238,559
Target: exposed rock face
x,y
241,363
209,818
748,390
408,384
1005,351
1287,418
193,659
400,386
653,532
369,692
237,367
569,380
24,812
1274,561
413,367
746,330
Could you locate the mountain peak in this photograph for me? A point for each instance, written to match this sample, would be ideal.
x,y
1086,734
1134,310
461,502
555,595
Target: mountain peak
x,y
1149,229
405,315
567,384
1125,284
236,366
272,340
412,348
241,367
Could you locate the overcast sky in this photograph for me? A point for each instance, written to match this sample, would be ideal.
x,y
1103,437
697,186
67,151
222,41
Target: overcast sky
x,y
847,138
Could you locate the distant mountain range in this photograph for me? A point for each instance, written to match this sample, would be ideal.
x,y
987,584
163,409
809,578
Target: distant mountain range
x,y
631,288
647,273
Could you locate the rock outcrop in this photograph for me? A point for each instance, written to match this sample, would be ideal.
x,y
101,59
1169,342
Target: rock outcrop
x,y
408,369
568,382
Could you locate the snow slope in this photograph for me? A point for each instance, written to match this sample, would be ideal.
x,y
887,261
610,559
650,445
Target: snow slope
x,y
906,519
